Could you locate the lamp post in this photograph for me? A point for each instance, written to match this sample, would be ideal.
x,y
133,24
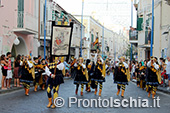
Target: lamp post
x,y
45,29
151,49
81,28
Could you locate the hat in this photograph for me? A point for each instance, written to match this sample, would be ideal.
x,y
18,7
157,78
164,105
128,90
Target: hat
x,y
35,58
62,59
29,57
156,58
56,58
80,58
122,57
152,58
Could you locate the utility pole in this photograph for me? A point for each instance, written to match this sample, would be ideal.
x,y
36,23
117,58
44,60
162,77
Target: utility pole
x,y
39,20
152,33
45,29
81,28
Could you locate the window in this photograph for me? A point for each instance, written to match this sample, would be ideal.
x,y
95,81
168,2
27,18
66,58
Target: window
x,y
20,14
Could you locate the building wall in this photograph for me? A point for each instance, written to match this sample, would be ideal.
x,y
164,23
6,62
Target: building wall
x,y
161,20
9,22
157,32
116,42
165,27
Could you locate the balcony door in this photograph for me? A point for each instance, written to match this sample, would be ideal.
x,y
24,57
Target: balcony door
x,y
20,23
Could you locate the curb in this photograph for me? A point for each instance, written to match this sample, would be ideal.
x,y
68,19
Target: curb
x,y
18,88
13,89
10,90
159,89
167,92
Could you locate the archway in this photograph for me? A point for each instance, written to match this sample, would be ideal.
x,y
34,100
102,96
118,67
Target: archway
x,y
21,48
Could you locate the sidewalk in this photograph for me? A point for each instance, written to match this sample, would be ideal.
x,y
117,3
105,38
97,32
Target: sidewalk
x,y
163,89
160,88
10,90
18,88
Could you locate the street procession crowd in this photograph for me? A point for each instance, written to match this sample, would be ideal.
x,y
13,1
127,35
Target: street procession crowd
x,y
49,73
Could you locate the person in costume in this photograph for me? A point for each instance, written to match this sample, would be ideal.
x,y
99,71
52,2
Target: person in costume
x,y
99,74
121,76
142,71
55,72
44,76
90,68
73,68
38,69
137,74
107,67
27,74
152,76
81,75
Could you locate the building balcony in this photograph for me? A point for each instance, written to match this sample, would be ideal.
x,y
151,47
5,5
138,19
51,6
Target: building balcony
x,y
48,29
145,43
26,23
133,36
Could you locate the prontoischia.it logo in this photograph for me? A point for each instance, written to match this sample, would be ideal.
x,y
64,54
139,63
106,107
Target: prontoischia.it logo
x,y
111,102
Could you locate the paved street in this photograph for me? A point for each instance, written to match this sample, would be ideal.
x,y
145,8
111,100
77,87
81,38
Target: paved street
x,y
17,102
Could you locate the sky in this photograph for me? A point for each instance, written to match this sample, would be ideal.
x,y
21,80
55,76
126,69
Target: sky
x,y
114,14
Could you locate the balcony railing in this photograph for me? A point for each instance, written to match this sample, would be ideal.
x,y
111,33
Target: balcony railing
x,y
48,29
27,21
145,39
133,35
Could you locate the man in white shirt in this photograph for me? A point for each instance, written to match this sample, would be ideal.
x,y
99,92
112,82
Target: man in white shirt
x,y
168,71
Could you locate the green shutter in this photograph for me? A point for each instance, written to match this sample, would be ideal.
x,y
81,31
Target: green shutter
x,y
92,39
139,24
20,5
20,18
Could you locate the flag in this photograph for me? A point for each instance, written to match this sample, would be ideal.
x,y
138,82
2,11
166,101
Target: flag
x,y
97,40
